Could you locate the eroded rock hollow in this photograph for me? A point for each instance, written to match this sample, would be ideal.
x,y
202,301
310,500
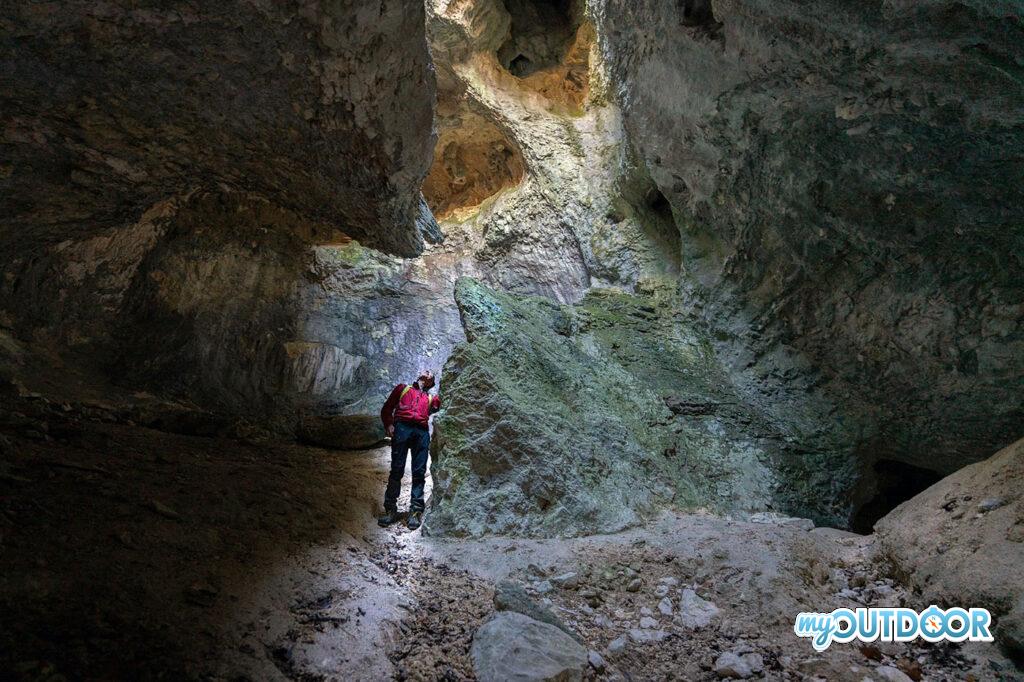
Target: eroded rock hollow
x,y
726,298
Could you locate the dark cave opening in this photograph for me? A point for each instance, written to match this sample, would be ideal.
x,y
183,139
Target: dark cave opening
x,y
540,34
658,203
894,483
520,66
548,49
696,12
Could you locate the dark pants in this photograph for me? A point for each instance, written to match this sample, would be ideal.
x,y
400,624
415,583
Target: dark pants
x,y
408,437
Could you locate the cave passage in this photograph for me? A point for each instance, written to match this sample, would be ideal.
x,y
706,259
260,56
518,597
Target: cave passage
x,y
895,483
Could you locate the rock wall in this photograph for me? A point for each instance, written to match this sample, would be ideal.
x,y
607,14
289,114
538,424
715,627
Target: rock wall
x,y
171,177
846,181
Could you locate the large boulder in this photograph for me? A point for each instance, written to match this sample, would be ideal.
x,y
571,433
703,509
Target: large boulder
x,y
513,647
961,541
564,420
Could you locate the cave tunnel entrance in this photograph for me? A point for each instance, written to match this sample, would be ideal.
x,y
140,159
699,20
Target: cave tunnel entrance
x,y
540,34
548,49
893,483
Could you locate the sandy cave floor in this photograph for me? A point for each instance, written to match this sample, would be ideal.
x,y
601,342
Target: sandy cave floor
x,y
127,552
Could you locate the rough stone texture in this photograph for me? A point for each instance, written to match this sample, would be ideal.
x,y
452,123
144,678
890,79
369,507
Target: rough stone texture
x,y
512,646
343,432
846,180
961,542
174,176
108,108
511,596
562,420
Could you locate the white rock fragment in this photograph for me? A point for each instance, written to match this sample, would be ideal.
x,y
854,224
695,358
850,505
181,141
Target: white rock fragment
x,y
695,612
732,665
891,674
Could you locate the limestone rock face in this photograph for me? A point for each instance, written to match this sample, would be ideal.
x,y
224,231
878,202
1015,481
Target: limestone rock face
x,y
846,177
512,646
961,541
565,420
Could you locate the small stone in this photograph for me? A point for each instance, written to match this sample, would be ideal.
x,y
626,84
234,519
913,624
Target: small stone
x,y
602,621
647,636
661,590
665,606
534,569
891,674
644,611
669,580
648,622
618,645
634,585
164,510
695,612
566,581
542,587
596,661
738,666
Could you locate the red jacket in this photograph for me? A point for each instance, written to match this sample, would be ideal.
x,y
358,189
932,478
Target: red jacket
x,y
415,406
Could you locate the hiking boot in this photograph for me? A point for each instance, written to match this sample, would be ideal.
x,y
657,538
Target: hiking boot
x,y
390,516
415,519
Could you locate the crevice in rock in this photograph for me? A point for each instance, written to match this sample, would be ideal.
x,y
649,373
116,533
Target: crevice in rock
x,y
889,484
473,161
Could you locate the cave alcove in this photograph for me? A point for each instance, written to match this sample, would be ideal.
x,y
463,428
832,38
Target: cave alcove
x,y
473,161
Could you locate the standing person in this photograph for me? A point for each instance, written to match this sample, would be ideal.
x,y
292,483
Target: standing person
x,y
406,417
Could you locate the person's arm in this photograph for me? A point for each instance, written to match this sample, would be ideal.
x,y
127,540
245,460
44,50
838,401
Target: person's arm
x,y
387,413
435,404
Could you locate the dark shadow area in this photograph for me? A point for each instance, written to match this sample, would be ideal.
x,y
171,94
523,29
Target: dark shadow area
x,y
132,553
696,12
894,483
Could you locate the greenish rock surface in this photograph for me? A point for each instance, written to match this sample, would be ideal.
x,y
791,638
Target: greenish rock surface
x,y
567,420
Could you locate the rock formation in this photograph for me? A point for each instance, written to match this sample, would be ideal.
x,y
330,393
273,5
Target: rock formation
x,y
961,542
566,420
845,178
167,176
